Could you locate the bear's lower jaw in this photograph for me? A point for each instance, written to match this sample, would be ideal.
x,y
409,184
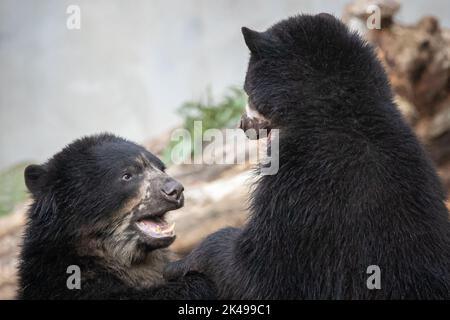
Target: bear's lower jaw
x,y
255,128
155,232
156,227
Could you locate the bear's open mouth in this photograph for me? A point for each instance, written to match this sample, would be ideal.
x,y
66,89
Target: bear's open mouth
x,y
261,127
156,227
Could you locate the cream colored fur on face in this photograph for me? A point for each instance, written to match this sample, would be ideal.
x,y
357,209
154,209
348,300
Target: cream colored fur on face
x,y
118,251
253,114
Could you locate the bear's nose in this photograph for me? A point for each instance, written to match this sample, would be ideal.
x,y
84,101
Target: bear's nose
x,y
173,190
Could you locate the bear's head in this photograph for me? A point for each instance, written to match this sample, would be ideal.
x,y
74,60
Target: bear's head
x,y
303,64
104,194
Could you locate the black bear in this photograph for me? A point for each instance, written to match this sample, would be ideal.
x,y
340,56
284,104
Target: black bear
x,y
356,210
97,228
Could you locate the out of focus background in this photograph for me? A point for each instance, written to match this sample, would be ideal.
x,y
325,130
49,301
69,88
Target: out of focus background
x,y
143,68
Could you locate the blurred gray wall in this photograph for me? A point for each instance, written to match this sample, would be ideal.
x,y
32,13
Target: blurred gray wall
x,y
130,66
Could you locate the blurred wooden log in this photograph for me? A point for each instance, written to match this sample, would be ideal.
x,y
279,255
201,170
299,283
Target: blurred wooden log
x,y
11,227
209,207
417,60
215,195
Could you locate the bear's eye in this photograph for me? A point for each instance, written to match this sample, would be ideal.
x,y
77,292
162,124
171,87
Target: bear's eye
x,y
127,177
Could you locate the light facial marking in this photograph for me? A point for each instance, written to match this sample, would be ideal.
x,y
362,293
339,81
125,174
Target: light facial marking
x,y
253,114
142,160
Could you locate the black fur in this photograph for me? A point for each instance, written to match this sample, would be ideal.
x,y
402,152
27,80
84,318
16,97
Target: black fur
x,y
354,187
78,218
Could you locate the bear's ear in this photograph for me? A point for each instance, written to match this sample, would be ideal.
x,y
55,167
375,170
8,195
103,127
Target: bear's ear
x,y
257,42
326,15
35,178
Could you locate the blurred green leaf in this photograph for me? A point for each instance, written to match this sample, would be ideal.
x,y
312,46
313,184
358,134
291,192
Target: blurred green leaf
x,y
12,188
223,114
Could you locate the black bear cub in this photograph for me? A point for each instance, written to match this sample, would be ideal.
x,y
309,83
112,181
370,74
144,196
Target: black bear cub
x,y
99,214
356,210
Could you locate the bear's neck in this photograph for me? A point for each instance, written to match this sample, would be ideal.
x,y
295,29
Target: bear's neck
x,y
340,179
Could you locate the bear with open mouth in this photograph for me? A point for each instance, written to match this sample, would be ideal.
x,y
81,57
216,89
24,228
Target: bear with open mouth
x,y
354,192
99,207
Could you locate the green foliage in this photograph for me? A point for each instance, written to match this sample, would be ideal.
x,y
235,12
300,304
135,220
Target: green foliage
x,y
223,114
12,188
214,115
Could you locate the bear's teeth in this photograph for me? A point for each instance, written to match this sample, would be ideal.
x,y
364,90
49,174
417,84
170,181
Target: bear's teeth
x,y
170,229
156,229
